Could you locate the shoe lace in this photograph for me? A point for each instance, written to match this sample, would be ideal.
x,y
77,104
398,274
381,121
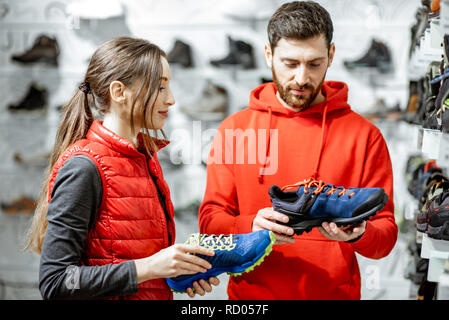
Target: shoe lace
x,y
220,242
444,107
320,185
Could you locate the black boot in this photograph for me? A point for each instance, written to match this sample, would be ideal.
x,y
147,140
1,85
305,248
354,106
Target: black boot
x,y
44,49
35,99
181,54
378,56
240,54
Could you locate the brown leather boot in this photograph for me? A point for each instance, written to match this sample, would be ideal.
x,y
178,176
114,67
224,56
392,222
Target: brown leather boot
x,y
44,49
22,205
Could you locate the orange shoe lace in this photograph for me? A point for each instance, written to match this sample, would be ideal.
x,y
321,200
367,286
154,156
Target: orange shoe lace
x,y
319,184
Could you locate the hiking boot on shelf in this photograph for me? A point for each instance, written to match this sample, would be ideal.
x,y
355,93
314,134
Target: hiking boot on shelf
x,y
211,106
38,159
429,185
438,216
427,209
234,254
412,104
378,56
44,49
419,176
413,163
240,54
380,111
181,54
442,103
24,205
35,99
432,87
314,202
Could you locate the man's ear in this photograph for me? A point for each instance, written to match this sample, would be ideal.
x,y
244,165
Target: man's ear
x,y
117,92
268,55
331,54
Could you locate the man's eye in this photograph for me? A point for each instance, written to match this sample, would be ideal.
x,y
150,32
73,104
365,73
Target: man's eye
x,y
161,88
314,65
290,65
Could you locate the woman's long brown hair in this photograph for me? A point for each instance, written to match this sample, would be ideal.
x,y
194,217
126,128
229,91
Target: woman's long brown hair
x,y
122,59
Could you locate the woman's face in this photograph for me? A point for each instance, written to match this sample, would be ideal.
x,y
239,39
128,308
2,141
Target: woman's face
x,y
165,99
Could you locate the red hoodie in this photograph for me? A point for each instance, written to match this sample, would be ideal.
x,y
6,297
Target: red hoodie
x,y
328,141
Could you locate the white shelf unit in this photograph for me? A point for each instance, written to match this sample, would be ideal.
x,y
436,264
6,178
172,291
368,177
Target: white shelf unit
x,y
434,144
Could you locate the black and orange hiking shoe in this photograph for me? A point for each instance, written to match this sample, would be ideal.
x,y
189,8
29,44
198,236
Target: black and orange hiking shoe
x,y
314,202
438,213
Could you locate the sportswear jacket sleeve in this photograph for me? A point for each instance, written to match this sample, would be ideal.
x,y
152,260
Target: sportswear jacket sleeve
x,y
219,213
76,196
381,230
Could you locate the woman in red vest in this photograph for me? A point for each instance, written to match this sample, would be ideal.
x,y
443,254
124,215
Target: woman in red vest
x,y
104,222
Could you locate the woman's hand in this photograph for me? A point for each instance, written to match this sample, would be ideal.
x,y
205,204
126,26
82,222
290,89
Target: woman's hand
x,y
176,260
173,261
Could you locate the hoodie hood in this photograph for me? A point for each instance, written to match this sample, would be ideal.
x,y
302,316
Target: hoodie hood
x,y
264,99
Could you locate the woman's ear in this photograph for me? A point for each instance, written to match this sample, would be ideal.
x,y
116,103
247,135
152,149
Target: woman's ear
x,y
117,92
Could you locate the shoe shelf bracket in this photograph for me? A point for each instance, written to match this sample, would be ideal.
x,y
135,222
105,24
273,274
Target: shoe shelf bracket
x,y
437,251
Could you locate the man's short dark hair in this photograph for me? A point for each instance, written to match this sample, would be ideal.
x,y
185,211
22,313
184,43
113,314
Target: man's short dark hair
x,y
300,20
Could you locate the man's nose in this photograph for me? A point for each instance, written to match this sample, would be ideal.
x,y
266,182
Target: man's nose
x,y
301,75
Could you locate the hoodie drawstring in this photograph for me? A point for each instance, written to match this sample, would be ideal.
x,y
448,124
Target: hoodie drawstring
x,y
320,151
267,145
323,129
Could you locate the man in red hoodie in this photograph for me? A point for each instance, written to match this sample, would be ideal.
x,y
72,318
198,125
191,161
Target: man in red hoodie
x,y
298,127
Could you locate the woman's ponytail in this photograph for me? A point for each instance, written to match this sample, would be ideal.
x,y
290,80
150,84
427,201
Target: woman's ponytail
x,y
76,121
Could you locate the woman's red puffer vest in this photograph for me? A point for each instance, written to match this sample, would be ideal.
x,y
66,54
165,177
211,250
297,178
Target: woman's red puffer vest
x,y
130,223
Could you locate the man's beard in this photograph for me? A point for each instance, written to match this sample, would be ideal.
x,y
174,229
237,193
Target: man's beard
x,y
298,102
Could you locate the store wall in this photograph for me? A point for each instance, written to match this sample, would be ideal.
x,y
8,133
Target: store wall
x,y
204,24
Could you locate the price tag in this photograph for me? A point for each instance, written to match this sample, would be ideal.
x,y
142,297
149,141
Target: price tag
x,y
431,143
443,158
436,35
444,16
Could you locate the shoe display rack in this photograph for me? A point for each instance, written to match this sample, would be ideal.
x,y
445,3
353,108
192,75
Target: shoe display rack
x,y
429,133
216,58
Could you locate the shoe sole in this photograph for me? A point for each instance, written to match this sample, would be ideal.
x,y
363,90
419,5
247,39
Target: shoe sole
x,y
421,227
181,286
309,224
45,60
439,233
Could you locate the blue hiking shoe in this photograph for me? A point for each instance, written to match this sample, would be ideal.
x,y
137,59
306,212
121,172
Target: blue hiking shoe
x,y
314,202
234,254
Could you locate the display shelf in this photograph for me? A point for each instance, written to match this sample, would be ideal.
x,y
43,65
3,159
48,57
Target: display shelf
x,y
429,49
437,251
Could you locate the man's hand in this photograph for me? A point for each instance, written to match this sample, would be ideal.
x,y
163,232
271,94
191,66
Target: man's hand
x,y
267,218
332,232
202,287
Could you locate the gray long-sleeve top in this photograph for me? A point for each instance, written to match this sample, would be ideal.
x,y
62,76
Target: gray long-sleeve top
x,y
76,196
